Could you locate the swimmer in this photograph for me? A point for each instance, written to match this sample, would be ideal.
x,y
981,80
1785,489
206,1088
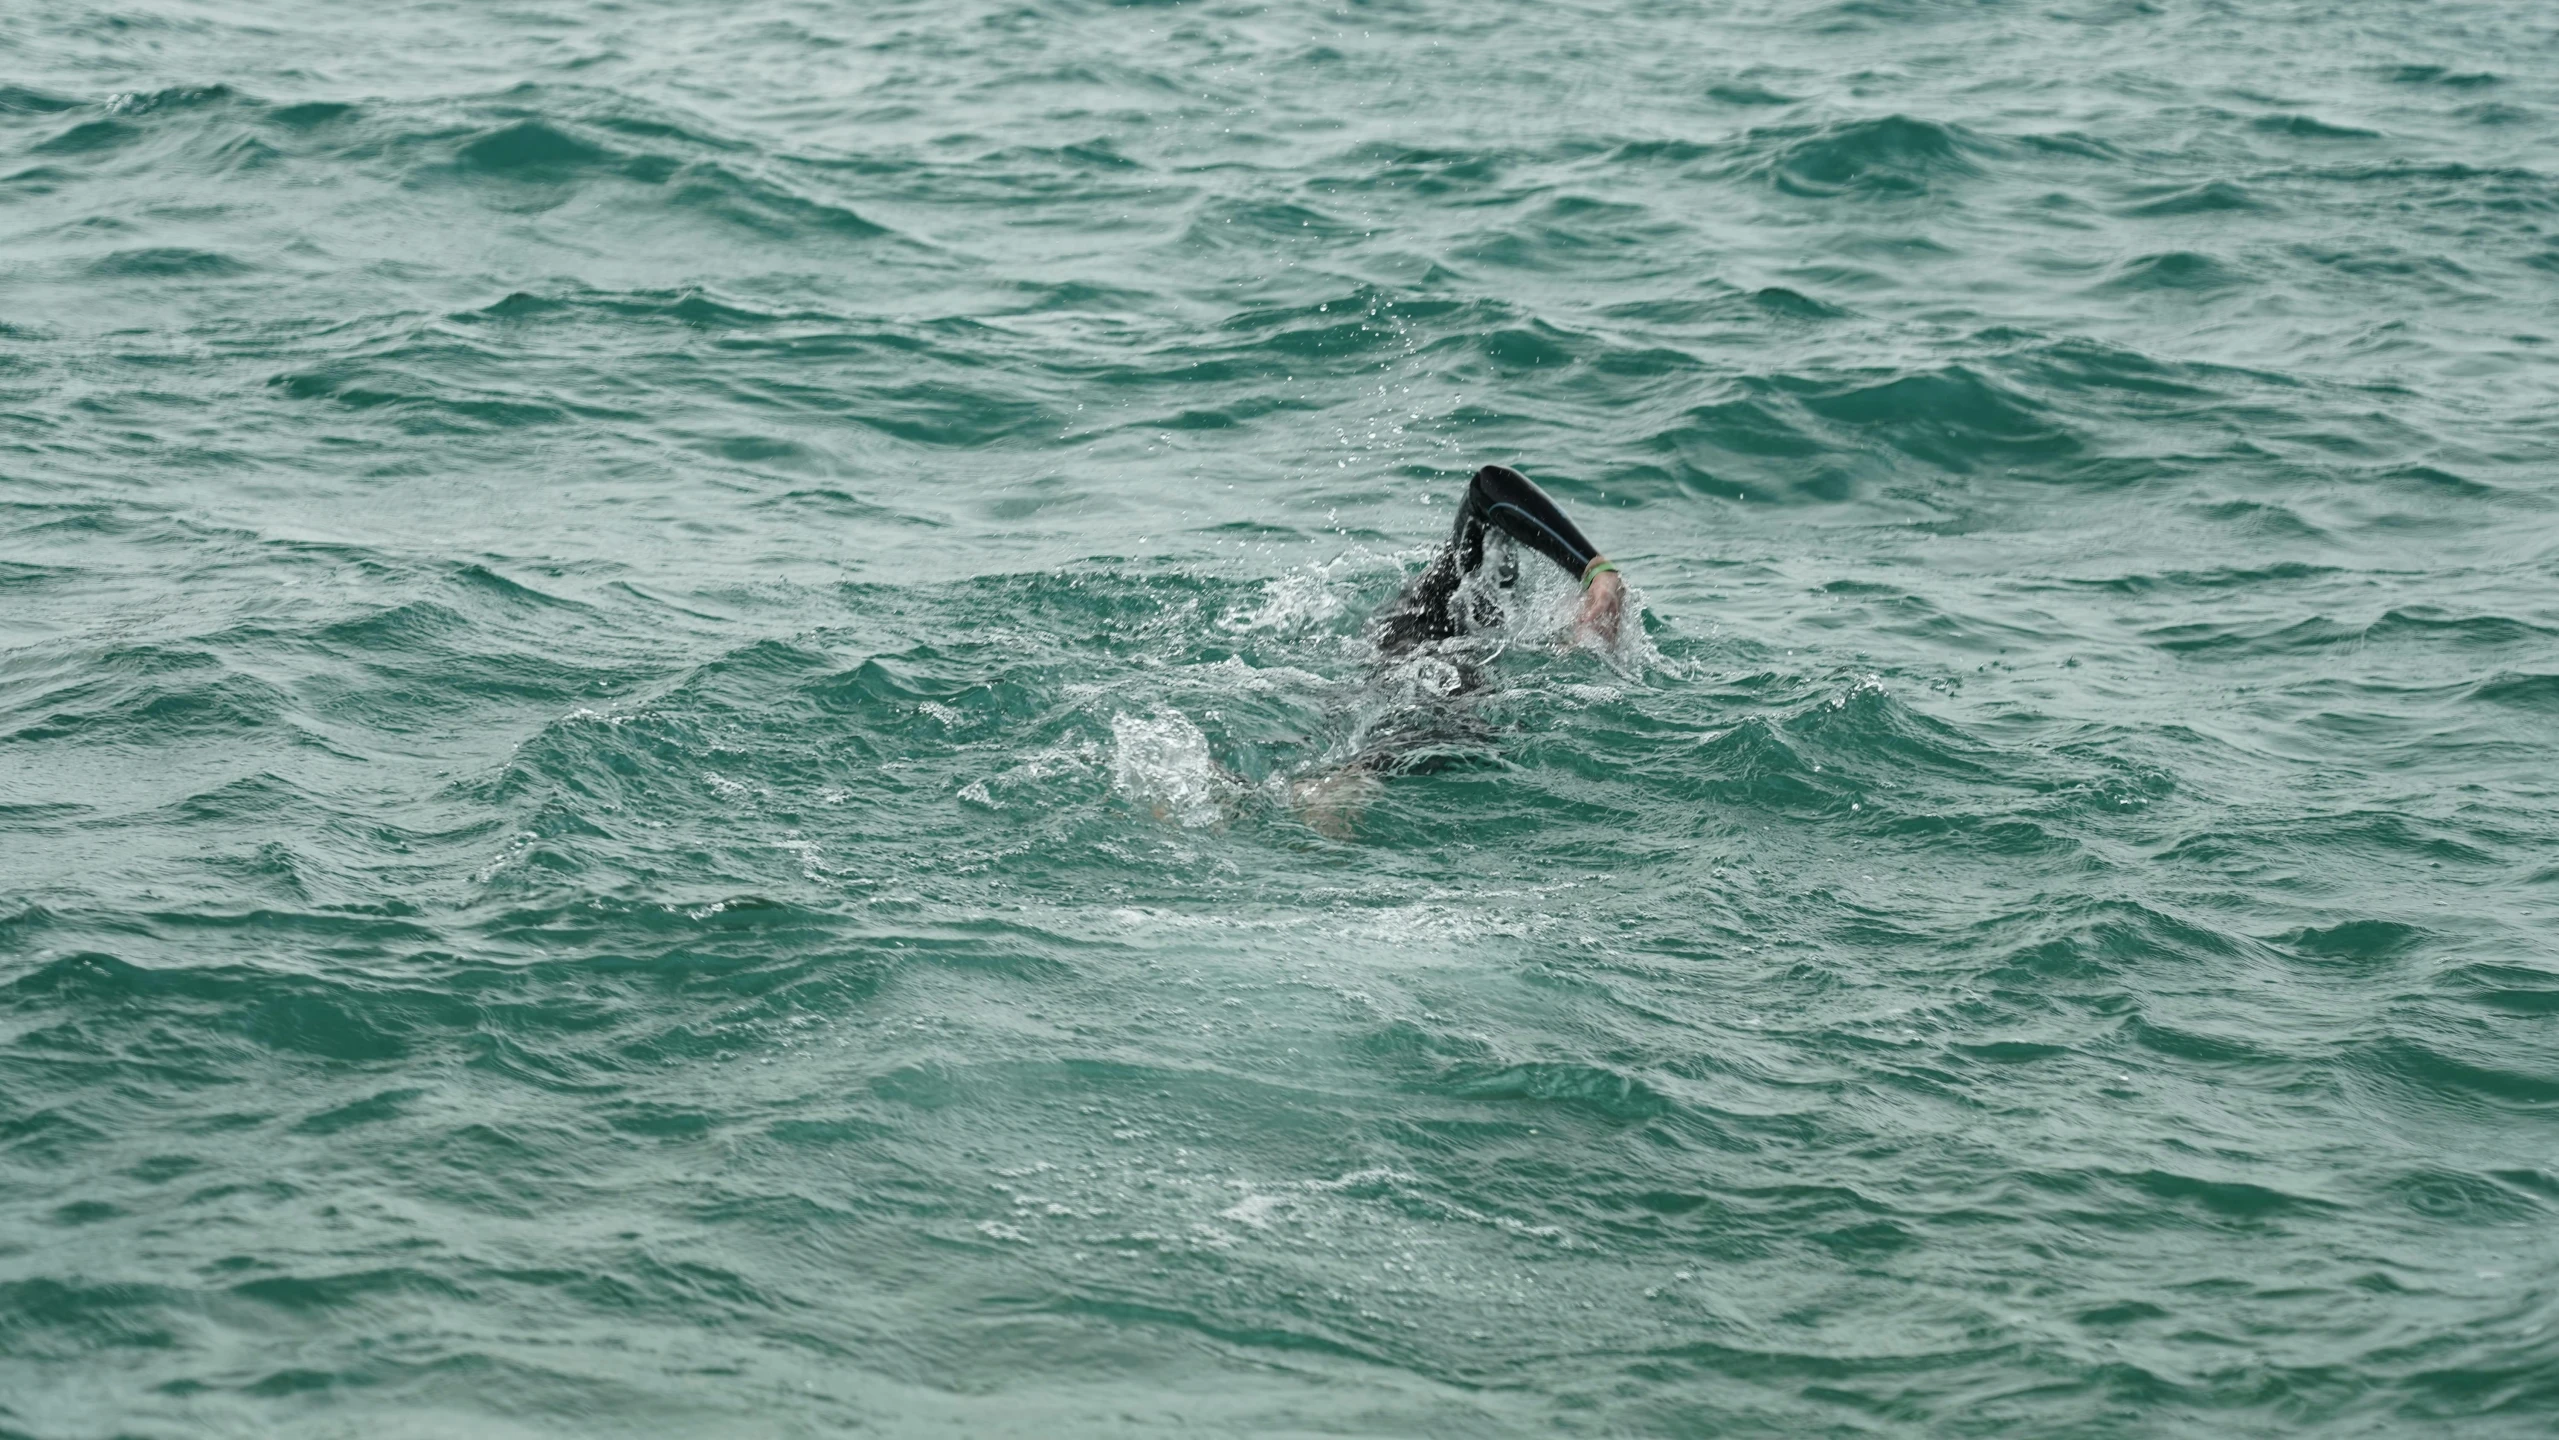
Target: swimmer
x,y
1439,610
1432,608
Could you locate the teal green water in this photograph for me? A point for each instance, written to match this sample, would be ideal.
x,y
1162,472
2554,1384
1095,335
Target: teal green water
x,y
624,626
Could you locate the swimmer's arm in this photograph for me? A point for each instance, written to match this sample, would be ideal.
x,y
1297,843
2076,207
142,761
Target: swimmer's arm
x,y
1603,605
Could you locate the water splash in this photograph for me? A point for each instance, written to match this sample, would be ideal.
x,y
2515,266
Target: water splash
x,y
1161,763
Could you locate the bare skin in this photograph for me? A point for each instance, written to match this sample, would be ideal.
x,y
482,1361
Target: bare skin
x,y
1603,608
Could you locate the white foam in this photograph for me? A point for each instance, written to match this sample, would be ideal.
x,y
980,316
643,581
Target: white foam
x,y
1027,780
1255,1210
1161,762
1293,602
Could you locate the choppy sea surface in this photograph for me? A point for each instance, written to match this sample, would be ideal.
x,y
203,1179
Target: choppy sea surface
x,y
652,655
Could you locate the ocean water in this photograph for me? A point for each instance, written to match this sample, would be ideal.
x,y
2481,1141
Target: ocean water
x,y
652,657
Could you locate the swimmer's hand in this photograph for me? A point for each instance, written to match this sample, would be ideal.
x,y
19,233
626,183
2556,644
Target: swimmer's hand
x,y
1603,609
